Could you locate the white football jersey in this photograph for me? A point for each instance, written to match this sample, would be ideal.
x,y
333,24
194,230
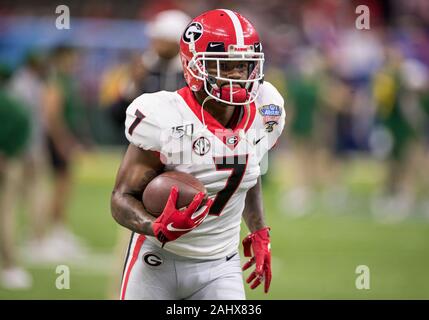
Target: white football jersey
x,y
227,162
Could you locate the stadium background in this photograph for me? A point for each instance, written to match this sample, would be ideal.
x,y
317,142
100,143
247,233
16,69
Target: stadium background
x,y
347,185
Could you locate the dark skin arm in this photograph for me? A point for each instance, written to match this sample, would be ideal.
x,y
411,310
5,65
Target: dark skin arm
x,y
137,169
253,213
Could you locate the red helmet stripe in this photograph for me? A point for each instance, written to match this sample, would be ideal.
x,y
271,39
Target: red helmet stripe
x,y
237,27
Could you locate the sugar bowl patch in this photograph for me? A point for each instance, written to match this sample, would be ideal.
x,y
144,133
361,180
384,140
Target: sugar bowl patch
x,y
271,114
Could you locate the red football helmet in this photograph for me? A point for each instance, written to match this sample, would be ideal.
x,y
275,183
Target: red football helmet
x,y
222,35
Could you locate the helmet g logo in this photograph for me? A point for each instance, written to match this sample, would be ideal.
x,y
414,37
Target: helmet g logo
x,y
195,29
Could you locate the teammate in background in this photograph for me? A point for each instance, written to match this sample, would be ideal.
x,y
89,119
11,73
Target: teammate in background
x,y
223,122
159,68
14,135
61,107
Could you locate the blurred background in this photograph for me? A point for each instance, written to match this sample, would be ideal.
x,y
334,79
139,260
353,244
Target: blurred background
x,y
347,185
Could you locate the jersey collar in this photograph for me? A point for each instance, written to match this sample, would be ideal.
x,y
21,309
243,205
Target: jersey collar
x,y
212,124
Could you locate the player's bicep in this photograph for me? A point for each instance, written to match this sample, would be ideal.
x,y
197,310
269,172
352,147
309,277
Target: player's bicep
x,y
137,169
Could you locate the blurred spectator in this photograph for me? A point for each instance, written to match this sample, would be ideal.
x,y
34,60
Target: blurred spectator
x,y
14,135
159,68
397,88
27,86
304,92
62,107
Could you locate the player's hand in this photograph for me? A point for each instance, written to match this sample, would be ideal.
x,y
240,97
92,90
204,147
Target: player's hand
x,y
259,241
173,223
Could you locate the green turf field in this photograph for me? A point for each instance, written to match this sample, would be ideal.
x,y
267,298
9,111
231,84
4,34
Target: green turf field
x,y
314,256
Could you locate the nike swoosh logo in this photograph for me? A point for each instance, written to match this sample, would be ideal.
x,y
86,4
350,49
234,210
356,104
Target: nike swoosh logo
x,y
231,256
212,45
171,228
255,142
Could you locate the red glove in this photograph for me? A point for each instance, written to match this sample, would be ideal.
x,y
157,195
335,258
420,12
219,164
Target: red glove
x,y
173,223
260,243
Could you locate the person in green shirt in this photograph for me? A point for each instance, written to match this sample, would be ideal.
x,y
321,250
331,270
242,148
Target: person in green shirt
x,y
303,92
62,107
391,92
15,131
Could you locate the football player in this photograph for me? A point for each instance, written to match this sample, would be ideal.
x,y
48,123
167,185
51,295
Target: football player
x,y
218,128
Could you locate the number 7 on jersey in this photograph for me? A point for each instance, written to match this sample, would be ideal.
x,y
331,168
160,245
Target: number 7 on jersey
x,y
237,165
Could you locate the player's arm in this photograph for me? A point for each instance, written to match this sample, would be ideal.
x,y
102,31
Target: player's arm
x,y
253,213
143,128
257,244
137,169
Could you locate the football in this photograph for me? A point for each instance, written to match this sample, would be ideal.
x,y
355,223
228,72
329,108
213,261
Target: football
x,y
156,193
